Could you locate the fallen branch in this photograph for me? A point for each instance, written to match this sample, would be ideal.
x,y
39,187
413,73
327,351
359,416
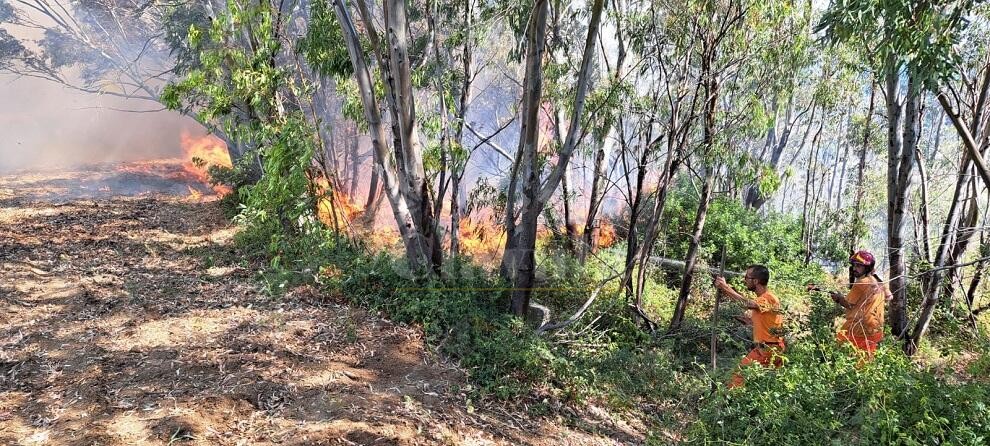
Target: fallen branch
x,y
577,316
543,309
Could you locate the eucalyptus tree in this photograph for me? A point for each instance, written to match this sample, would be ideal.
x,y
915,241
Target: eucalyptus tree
x,y
788,68
965,102
605,104
730,71
522,212
910,40
243,81
400,164
459,52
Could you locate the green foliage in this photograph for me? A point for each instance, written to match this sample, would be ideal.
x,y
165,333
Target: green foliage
x,y
245,89
772,239
915,34
459,313
823,395
323,45
182,21
281,198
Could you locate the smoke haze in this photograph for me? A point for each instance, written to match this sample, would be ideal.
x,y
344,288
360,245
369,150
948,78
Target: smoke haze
x,y
45,125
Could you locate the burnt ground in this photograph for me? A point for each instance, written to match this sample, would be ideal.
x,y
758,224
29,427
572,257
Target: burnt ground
x,y
134,321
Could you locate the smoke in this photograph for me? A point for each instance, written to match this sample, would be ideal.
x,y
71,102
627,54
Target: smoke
x,y
46,125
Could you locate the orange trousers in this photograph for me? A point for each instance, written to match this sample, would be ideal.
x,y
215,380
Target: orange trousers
x,y
768,356
867,345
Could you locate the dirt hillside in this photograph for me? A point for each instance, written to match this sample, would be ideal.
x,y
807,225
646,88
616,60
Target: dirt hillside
x,y
133,321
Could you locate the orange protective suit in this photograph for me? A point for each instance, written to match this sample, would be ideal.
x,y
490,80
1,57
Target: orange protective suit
x,y
768,322
864,318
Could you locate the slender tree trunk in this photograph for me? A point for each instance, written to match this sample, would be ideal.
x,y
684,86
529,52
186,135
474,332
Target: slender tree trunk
x,y
418,195
570,226
692,255
973,150
898,175
518,260
355,165
857,221
845,163
806,214
711,90
406,220
591,229
457,173
923,230
964,233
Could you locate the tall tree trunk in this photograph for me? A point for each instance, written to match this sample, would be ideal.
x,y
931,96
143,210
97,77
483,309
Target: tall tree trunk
x,y
857,221
457,173
845,163
692,255
418,195
809,184
416,255
518,260
591,229
923,228
570,225
899,163
711,90
355,165
973,153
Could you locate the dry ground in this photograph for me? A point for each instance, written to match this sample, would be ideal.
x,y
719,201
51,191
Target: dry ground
x,y
133,321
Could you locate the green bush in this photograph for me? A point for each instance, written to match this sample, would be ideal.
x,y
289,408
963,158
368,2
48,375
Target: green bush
x,y
824,396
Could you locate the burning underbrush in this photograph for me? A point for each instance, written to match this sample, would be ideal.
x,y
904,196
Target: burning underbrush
x,y
186,175
479,236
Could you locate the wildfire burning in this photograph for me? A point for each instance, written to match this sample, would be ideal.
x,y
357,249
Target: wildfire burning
x,y
202,152
337,208
606,234
192,168
481,239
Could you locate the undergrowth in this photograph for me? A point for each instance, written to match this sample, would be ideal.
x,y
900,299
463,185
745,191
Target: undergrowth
x,y
821,396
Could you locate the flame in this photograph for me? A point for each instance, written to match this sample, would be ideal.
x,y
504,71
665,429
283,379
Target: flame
x,y
202,152
194,195
606,234
346,209
480,238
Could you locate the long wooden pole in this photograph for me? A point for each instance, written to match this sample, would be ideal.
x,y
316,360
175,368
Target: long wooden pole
x,y
718,299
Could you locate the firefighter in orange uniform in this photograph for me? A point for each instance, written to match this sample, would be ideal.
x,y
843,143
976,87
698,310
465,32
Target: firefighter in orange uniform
x,y
766,317
864,305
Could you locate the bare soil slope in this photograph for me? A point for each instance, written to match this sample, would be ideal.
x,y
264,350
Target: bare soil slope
x,y
133,321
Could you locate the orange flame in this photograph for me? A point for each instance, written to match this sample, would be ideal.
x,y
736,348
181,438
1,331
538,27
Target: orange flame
x,y
194,195
481,238
202,152
606,234
346,209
